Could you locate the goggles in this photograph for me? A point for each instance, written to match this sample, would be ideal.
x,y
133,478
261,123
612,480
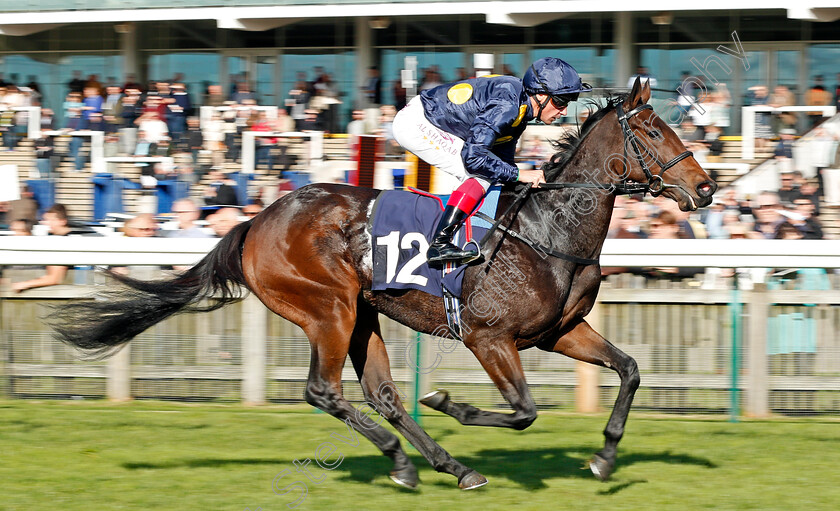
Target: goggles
x,y
562,101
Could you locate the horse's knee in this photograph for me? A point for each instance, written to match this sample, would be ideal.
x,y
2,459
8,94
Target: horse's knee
x,y
630,374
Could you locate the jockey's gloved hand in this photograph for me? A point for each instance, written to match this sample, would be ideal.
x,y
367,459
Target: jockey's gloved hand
x,y
535,177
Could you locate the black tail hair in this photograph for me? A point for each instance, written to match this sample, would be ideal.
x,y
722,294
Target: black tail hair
x,y
100,327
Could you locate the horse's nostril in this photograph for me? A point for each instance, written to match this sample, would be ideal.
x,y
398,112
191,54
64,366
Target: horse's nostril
x,y
706,188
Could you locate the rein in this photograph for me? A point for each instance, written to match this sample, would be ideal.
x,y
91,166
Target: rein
x,y
655,186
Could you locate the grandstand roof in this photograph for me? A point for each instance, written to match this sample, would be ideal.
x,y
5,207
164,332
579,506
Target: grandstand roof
x,y
258,15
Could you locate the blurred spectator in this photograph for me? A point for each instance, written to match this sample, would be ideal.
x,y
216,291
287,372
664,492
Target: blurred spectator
x,y
357,126
665,226
401,95
179,107
112,109
386,129
223,221
718,105
782,96
44,148
260,122
252,210
788,189
759,95
76,84
221,191
714,221
94,83
817,96
214,134
55,219
767,216
620,227
194,139
787,231
733,227
284,123
714,144
298,99
25,208
21,227
91,104
141,226
533,151
154,128
644,75
131,83
310,122
243,93
688,227
784,150
802,217
372,89
809,190
215,96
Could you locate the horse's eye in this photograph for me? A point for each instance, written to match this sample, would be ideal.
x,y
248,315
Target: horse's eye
x,y
654,134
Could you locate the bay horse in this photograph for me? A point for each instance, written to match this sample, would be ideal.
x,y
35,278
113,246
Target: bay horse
x,y
307,257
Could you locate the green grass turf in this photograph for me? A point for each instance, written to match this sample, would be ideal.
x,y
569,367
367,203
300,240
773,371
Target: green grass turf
x,y
86,455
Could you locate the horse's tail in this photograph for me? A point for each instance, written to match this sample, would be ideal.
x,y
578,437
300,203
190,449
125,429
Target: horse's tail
x,y
101,326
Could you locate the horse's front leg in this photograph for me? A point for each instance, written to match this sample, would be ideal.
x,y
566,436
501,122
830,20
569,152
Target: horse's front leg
x,y
500,359
585,344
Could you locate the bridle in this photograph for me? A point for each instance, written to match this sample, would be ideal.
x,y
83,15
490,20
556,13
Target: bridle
x,y
655,184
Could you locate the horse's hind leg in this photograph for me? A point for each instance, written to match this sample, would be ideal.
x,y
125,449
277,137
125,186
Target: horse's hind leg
x,y
585,344
500,360
370,359
366,334
330,343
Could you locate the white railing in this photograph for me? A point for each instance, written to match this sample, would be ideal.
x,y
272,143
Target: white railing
x,y
254,371
80,250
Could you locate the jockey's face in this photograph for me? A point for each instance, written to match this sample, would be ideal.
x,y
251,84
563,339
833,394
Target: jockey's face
x,y
550,112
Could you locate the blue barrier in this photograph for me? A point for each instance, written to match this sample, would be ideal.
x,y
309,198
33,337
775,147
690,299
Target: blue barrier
x,y
297,178
43,191
168,191
399,178
241,186
108,194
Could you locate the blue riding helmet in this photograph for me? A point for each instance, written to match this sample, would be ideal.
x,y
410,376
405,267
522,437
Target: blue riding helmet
x,y
554,78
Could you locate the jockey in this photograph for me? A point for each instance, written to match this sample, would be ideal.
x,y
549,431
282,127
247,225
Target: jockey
x,y
470,128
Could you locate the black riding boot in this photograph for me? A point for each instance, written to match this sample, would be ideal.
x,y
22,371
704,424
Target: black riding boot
x,y
442,250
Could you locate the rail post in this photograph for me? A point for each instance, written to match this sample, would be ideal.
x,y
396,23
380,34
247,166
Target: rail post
x,y
757,402
254,327
118,375
588,375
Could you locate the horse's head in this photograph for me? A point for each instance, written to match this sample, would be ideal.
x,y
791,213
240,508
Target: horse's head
x,y
656,155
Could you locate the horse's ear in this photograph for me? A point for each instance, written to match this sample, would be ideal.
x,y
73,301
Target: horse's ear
x,y
635,98
646,92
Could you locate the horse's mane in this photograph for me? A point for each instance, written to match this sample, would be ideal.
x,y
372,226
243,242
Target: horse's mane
x,y
568,144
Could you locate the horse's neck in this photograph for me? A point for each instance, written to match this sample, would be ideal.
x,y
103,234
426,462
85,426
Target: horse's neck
x,y
576,220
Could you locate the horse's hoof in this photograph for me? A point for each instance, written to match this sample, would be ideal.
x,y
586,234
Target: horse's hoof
x,y
472,480
435,399
406,477
600,467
